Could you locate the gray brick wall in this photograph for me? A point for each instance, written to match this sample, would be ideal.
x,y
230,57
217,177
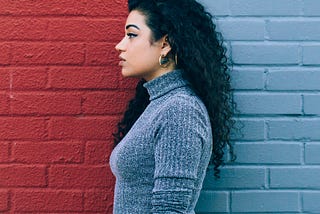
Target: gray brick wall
x,y
275,48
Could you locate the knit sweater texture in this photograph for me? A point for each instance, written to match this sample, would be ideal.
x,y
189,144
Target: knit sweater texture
x,y
161,163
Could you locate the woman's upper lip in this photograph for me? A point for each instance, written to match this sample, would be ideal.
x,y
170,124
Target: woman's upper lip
x,y
121,58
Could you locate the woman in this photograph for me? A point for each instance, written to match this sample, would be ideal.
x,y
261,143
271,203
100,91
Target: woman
x,y
180,116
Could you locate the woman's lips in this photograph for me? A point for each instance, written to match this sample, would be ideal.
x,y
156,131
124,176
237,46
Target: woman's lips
x,y
122,60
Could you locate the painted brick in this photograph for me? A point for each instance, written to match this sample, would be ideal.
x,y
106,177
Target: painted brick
x,y
22,128
311,54
257,103
268,153
83,78
266,8
107,8
105,102
47,152
82,128
127,83
311,8
4,104
72,30
47,53
213,201
46,103
310,202
299,129
80,176
65,7
299,79
293,30
4,152
217,7
23,29
44,78
247,79
102,54
98,152
246,129
5,54
265,53
60,7
48,201
5,78
4,196
295,177
311,104
96,201
312,153
265,201
22,176
29,78
242,29
234,177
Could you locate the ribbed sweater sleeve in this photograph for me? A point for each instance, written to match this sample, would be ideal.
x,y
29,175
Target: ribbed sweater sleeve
x,y
178,150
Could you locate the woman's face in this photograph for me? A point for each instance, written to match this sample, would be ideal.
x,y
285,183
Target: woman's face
x,y
138,55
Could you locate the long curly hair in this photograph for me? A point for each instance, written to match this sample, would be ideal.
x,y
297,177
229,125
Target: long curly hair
x,y
201,55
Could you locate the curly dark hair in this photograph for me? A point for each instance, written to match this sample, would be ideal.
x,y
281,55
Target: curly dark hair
x,y
201,55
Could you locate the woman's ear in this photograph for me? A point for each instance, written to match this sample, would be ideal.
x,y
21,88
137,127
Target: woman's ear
x,y
166,47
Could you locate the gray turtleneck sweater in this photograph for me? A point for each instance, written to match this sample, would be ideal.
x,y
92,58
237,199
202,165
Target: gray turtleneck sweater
x,y
161,163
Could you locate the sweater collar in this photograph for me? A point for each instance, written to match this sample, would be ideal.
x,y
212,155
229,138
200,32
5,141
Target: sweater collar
x,y
165,83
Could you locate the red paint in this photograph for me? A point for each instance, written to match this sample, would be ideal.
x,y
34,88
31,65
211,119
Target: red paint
x,y
61,95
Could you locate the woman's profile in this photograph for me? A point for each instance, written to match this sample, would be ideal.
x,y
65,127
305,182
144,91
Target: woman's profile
x,y
180,118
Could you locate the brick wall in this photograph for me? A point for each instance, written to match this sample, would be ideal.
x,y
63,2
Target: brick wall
x,y
275,47
61,94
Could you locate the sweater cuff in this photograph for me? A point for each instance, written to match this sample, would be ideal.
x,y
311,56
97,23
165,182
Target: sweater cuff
x,y
171,201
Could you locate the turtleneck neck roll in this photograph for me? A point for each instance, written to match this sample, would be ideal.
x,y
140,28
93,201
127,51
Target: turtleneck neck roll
x,y
165,83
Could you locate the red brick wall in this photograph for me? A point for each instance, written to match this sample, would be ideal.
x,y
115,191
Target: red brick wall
x,y
61,94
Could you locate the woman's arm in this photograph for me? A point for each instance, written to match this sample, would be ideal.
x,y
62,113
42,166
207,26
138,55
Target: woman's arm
x,y
178,150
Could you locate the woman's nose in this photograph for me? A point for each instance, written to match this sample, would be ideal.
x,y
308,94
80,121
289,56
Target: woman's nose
x,y
120,46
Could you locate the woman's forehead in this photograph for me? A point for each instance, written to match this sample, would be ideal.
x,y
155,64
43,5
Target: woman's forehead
x,y
136,17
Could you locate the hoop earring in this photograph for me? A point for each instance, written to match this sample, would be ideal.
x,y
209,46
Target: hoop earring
x,y
163,61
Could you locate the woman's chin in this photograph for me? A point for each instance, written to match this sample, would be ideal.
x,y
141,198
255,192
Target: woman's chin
x,y
126,73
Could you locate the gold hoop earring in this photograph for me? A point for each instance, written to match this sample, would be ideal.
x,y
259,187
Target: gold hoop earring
x,y
163,61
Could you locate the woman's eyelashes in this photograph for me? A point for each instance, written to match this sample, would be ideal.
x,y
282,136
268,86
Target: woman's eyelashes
x,y
131,35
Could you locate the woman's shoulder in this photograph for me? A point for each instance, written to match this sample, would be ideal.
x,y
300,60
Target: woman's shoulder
x,y
185,96
185,112
183,104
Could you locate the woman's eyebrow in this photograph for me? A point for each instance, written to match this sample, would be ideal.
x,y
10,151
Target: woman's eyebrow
x,y
131,25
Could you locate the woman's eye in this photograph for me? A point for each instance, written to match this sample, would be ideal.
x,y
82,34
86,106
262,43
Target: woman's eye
x,y
131,35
